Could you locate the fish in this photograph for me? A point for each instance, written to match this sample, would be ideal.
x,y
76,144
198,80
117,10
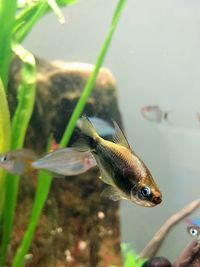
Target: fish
x,y
126,174
66,161
194,221
154,113
18,162
194,232
103,128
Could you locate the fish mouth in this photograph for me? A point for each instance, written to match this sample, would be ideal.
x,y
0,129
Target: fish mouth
x,y
156,200
151,202
144,203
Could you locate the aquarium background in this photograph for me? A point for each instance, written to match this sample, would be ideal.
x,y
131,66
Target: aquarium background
x,y
155,58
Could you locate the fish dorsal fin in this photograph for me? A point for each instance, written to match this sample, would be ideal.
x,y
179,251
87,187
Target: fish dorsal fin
x,y
119,136
111,193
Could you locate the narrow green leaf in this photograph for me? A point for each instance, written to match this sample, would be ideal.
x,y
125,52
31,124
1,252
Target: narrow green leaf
x,y
89,86
44,179
27,18
7,18
26,98
44,183
130,257
4,120
4,137
54,6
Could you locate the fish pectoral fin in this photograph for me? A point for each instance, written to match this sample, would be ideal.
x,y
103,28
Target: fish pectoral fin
x,y
105,179
119,136
111,193
81,145
104,176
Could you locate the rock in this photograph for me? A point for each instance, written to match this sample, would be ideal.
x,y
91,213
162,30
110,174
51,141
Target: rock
x,y
77,227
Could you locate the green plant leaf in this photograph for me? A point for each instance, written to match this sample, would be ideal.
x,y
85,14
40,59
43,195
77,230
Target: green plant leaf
x,y
26,97
4,120
20,121
4,138
130,257
27,18
44,183
44,179
54,6
7,19
89,86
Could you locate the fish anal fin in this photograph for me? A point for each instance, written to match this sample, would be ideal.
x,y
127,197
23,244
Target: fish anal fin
x,y
119,136
111,193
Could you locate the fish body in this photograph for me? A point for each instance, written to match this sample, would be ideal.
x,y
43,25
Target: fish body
x,y
66,161
154,113
120,167
194,232
18,162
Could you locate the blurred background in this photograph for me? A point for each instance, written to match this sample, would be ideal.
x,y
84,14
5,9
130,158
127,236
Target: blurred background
x,y
155,58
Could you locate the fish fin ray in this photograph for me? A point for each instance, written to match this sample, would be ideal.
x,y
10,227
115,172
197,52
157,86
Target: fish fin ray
x,y
103,173
119,136
87,128
102,127
81,145
111,193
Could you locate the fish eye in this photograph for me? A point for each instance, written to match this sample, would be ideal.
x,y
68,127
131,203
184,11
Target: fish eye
x,y
3,158
145,191
193,232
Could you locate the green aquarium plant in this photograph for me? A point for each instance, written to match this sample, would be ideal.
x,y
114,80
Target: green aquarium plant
x,y
130,258
22,17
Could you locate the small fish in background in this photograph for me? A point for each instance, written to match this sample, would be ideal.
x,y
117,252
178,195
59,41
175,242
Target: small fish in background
x,y
18,162
198,116
154,113
194,232
66,161
120,167
102,127
194,221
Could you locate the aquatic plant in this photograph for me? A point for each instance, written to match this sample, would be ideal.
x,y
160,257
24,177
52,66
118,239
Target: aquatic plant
x,y
130,258
22,17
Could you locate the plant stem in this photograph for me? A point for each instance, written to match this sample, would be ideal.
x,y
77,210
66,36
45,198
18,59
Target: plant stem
x,y
89,86
21,118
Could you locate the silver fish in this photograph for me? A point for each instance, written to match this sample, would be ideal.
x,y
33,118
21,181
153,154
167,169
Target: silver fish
x,y
154,113
18,161
66,161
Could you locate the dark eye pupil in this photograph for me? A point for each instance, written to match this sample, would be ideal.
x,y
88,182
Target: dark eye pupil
x,y
4,158
193,232
145,191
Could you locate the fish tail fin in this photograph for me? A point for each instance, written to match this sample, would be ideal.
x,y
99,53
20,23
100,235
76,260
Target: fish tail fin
x,y
89,136
88,128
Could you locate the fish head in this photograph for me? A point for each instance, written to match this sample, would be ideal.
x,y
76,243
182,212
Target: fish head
x,y
146,193
6,161
194,232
